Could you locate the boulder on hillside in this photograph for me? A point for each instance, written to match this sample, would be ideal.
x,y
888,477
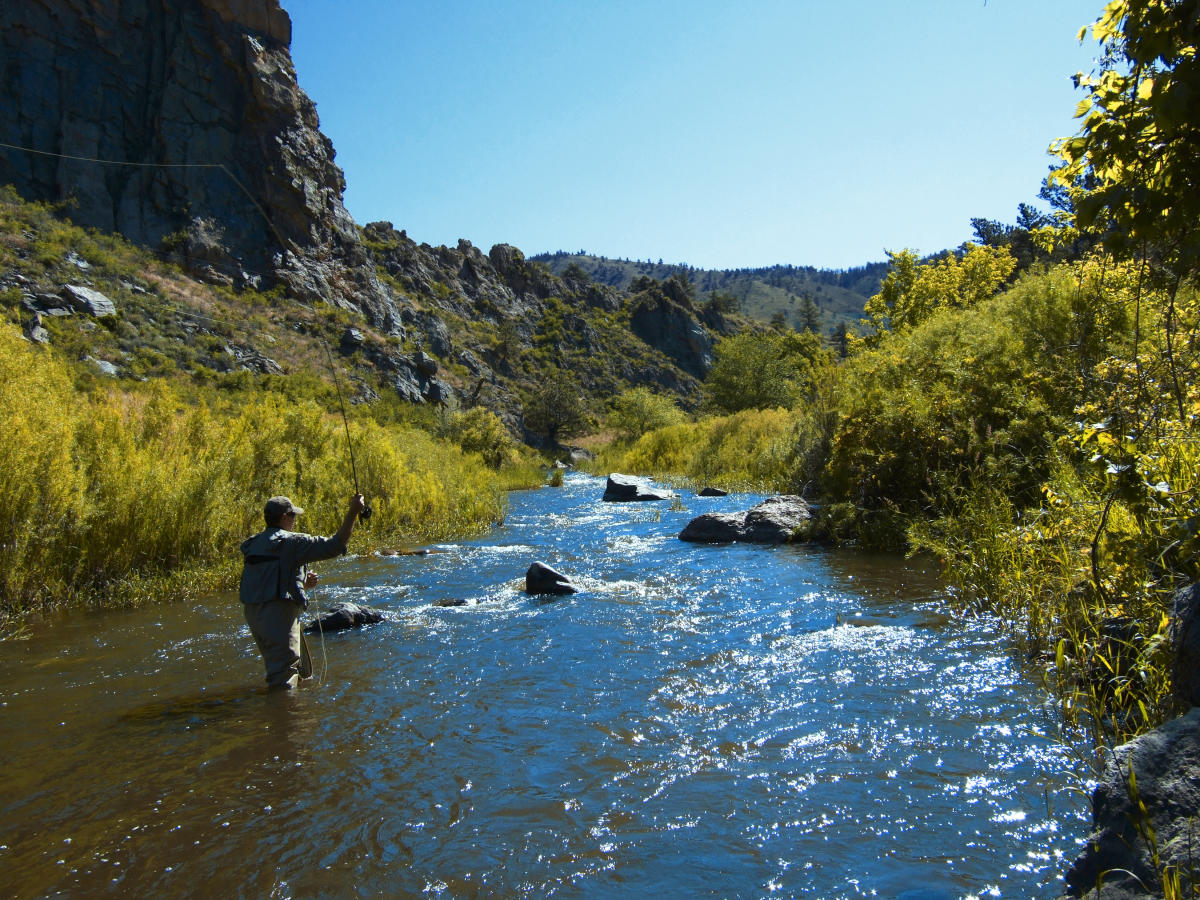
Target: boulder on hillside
x,y
774,521
624,489
343,615
541,579
1117,861
88,300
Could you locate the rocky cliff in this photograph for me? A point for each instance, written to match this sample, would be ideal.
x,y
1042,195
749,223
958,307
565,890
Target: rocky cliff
x,y
183,123
182,126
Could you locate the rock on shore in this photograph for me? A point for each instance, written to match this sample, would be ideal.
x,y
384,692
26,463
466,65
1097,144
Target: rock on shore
x,y
1148,803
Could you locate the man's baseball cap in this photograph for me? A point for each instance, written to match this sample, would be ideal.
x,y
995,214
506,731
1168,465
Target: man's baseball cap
x,y
276,507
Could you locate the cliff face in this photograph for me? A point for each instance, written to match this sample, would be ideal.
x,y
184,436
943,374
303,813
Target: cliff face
x,y
195,111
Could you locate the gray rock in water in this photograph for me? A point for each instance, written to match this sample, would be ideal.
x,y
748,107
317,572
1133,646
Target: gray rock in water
x,y
580,455
774,521
712,492
85,299
343,615
714,528
541,579
1166,763
624,489
1185,642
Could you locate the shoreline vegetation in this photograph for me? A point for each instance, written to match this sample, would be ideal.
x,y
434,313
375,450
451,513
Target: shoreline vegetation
x,y
123,493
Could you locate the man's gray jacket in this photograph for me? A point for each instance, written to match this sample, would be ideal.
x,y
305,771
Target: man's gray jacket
x,y
274,559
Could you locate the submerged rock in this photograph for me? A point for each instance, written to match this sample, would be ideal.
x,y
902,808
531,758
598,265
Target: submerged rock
x,y
541,579
774,521
624,489
343,615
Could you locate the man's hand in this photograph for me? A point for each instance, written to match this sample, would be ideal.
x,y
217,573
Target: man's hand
x,y
357,504
310,580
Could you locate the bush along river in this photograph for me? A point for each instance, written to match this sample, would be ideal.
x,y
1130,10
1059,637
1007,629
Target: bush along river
x,y
699,720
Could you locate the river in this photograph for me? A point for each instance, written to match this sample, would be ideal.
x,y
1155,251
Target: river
x,y
699,721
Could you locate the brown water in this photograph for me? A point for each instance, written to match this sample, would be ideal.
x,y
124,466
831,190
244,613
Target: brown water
x,y
699,721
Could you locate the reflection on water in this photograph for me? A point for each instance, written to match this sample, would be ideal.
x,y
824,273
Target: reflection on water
x,y
718,721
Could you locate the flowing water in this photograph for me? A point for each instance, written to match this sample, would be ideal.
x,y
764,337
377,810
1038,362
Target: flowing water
x,y
699,721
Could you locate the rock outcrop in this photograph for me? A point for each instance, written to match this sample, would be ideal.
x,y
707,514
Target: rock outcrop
x,y
1147,807
1185,641
1154,813
182,125
184,128
774,521
624,489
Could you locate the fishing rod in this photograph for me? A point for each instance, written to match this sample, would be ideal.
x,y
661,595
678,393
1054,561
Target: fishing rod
x,y
366,513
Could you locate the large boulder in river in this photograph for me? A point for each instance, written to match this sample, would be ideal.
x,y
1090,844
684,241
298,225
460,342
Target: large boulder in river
x,y
774,521
1158,804
541,579
343,615
624,489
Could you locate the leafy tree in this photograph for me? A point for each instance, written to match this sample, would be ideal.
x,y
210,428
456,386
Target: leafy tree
x,y
840,335
1132,170
481,431
810,316
575,276
507,340
913,291
640,410
555,408
724,303
763,371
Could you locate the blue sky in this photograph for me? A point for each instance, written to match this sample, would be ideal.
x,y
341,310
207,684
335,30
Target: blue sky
x,y
719,134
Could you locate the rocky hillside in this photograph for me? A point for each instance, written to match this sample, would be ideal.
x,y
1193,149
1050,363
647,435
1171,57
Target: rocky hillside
x,y
763,294
183,128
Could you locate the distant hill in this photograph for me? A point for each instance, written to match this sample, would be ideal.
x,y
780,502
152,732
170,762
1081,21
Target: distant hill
x,y
839,294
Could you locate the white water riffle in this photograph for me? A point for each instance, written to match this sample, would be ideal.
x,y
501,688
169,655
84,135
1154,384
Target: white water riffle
x,y
728,721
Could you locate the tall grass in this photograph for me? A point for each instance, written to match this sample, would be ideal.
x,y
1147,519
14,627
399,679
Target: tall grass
x,y
749,450
115,496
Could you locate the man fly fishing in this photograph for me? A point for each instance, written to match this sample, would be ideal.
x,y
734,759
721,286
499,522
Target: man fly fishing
x,y
275,577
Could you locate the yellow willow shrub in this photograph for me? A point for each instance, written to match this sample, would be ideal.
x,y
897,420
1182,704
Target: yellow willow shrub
x,y
39,483
664,451
751,449
117,496
422,488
